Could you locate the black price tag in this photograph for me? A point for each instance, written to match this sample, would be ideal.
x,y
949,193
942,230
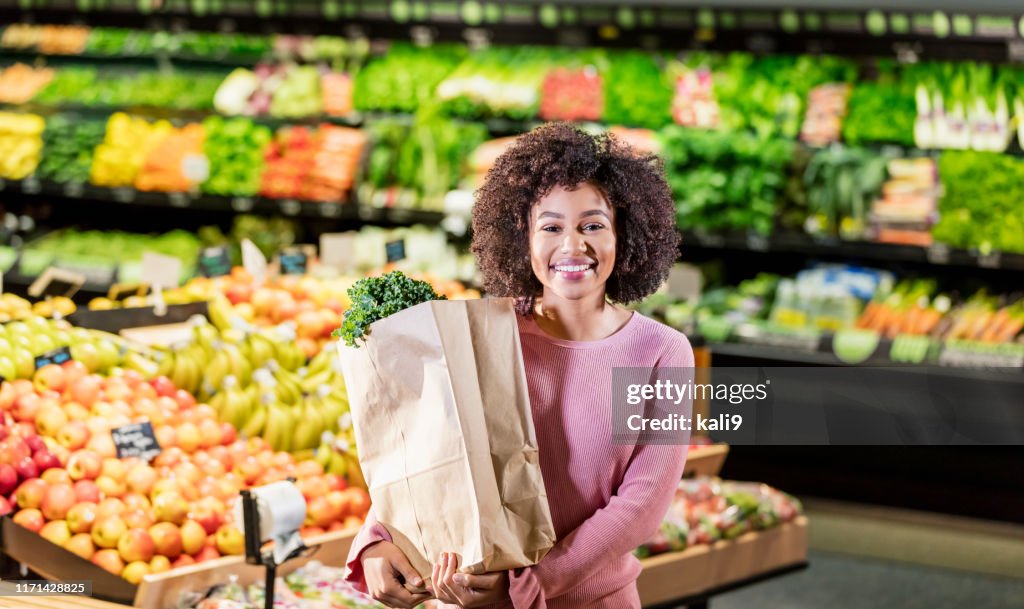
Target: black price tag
x,y
31,185
293,261
74,189
395,250
57,356
215,261
135,440
124,195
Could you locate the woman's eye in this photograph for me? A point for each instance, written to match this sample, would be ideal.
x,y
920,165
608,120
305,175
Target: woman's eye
x,y
551,228
593,226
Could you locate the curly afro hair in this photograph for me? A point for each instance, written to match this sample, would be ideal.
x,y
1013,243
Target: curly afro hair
x,y
559,154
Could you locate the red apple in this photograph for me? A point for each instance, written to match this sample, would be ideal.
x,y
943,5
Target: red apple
x,y
35,443
167,539
159,564
182,561
45,460
87,490
207,553
73,435
56,532
50,419
193,537
135,571
185,400
26,407
56,475
106,531
81,517
111,487
74,371
30,518
110,506
82,545
208,517
138,518
170,507
135,501
110,560
136,545
57,501
228,433
321,512
84,464
335,482
103,445
27,468
141,479
8,479
86,390
50,377
30,493
164,386
5,506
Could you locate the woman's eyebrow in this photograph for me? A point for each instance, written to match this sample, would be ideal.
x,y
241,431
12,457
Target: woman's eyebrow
x,y
594,212
550,214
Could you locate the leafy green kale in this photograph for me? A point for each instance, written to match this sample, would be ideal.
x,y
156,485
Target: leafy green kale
x,y
375,298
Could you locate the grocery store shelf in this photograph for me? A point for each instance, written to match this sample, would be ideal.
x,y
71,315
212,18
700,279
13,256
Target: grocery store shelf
x,y
937,254
240,204
142,59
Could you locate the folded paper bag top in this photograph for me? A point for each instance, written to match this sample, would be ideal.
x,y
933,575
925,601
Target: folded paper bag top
x,y
445,435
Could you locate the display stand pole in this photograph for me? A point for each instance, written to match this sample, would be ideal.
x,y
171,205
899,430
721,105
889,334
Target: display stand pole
x,y
253,541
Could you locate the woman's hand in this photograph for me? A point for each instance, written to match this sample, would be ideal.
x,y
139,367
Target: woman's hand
x,y
390,578
467,590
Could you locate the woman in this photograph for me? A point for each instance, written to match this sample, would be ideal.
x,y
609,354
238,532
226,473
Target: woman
x,y
571,225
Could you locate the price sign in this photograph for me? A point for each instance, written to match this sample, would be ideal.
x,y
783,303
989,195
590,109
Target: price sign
x,y
214,261
938,253
135,440
124,195
989,261
160,270
242,204
254,261
338,250
294,261
177,199
290,207
56,282
58,356
395,250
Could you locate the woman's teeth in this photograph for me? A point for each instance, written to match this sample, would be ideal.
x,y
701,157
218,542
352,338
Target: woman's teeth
x,y
579,268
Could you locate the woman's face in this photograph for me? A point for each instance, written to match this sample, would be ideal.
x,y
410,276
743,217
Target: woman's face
x,y
572,242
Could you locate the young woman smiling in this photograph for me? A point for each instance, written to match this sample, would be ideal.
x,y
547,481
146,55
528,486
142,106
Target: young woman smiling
x,y
572,226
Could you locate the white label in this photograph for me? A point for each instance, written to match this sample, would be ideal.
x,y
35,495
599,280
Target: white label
x,y
338,250
195,168
254,261
160,270
685,281
70,282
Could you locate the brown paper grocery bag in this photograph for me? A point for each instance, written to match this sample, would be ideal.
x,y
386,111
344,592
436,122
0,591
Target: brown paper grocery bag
x,y
445,435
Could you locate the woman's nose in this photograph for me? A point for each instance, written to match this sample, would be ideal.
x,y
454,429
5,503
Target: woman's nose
x,y
574,243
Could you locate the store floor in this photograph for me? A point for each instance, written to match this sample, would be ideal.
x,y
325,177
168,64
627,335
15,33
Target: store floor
x,y
839,581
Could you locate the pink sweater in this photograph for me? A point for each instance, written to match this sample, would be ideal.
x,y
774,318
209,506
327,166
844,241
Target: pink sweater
x,y
605,500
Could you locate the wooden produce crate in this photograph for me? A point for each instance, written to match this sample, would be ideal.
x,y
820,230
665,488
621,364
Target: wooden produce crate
x,y
158,590
701,569
705,460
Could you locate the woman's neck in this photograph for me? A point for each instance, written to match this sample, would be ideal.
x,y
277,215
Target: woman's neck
x,y
586,319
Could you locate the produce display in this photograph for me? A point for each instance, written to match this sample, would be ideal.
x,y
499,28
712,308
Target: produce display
x,y
502,82
724,181
312,586
636,91
126,145
68,145
21,144
405,78
313,164
90,88
108,250
166,165
16,308
20,83
981,202
235,149
706,510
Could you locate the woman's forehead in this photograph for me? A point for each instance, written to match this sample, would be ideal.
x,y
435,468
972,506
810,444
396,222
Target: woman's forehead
x,y
583,195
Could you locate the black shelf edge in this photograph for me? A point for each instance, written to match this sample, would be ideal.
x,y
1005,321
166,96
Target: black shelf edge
x,y
342,211
936,255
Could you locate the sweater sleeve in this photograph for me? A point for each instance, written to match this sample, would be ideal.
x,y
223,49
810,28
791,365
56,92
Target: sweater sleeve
x,y
370,533
629,519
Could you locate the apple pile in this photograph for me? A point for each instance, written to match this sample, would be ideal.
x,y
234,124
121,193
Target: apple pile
x,y
59,470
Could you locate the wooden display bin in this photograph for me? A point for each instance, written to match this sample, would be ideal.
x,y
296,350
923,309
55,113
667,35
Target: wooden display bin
x,y
701,569
705,460
159,590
